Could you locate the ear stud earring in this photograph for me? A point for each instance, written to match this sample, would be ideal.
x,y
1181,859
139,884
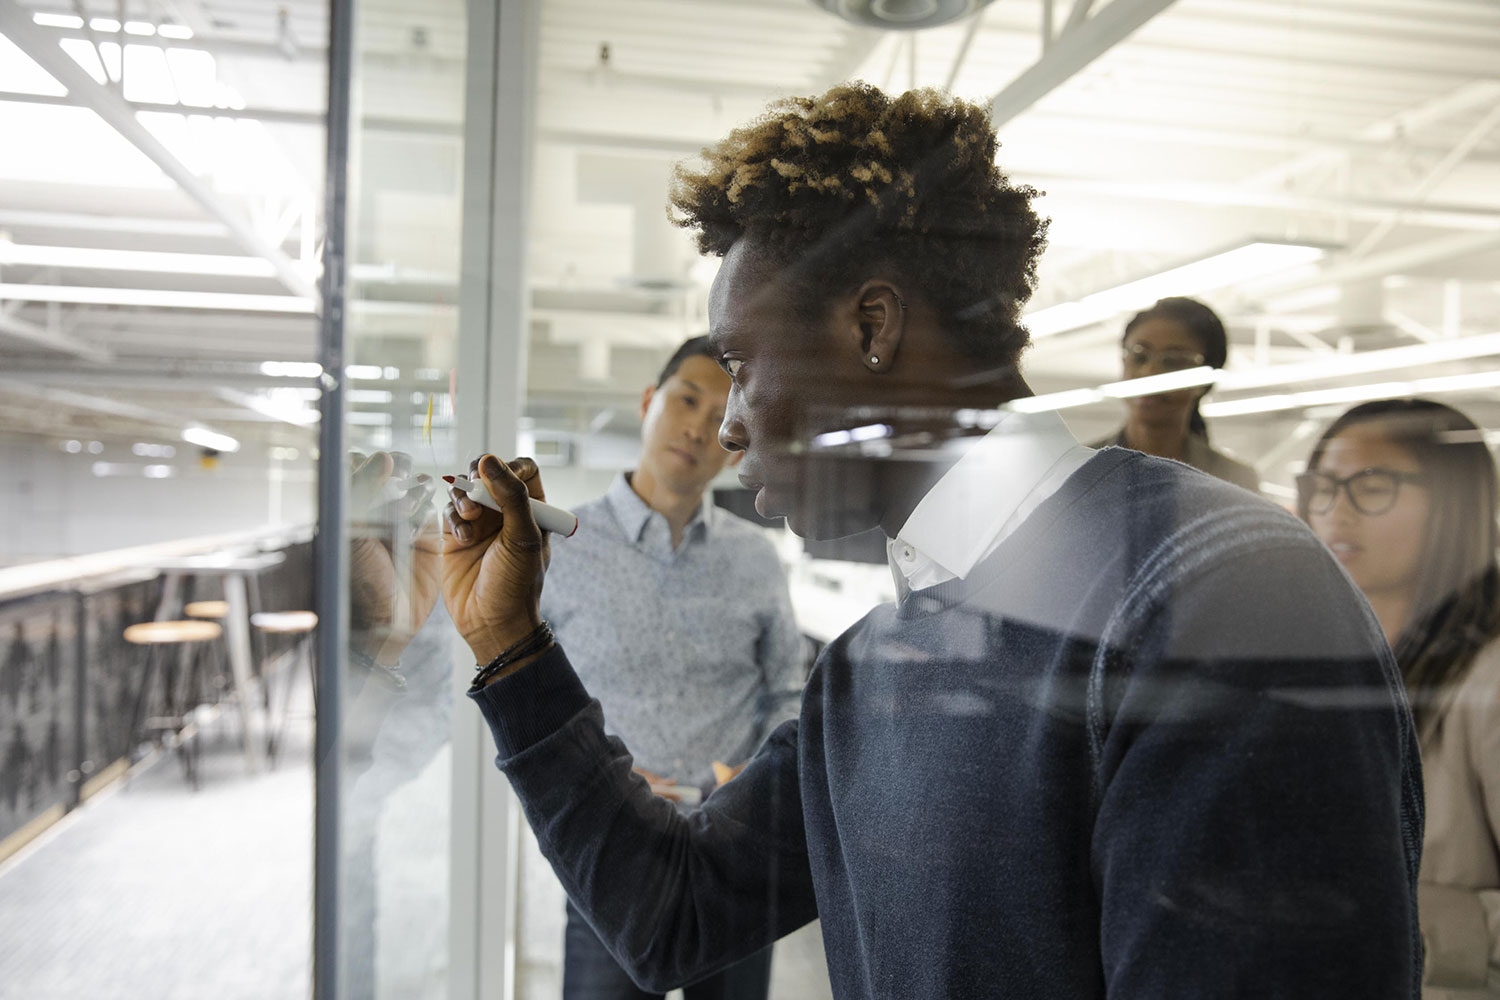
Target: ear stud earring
x,y
874,360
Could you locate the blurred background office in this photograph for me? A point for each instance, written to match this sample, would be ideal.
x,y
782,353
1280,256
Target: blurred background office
x,y
1323,174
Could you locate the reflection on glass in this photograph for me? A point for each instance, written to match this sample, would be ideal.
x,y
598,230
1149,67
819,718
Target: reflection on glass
x,y
403,238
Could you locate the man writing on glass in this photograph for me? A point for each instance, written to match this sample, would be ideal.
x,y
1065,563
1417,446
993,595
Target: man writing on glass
x,y
1127,732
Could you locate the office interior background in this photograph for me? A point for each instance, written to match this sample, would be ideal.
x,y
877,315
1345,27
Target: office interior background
x,y
1324,173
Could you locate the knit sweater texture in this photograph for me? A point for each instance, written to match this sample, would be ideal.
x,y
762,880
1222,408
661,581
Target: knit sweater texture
x,y
1154,746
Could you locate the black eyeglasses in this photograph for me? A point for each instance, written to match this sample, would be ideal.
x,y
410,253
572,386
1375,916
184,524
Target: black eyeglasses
x,y
1372,492
1170,360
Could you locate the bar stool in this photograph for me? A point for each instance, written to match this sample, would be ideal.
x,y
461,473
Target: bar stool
x,y
177,703
299,626
215,611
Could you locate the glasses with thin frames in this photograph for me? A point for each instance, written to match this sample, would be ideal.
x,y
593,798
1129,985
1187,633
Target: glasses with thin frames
x,y
1372,492
1141,356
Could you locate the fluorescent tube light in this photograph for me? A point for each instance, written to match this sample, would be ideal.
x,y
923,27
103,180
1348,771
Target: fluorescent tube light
x,y
1243,263
139,28
158,298
1056,401
1149,385
108,24
1341,365
1436,385
135,260
180,32
205,438
291,369
57,20
1126,389
1338,366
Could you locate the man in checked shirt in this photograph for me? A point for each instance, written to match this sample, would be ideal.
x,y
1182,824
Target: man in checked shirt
x,y
676,615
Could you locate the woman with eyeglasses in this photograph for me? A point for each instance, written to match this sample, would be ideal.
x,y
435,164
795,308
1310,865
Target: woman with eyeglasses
x,y
1173,335
1403,492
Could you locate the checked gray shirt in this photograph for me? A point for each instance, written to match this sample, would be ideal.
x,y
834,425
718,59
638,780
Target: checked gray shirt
x,y
693,654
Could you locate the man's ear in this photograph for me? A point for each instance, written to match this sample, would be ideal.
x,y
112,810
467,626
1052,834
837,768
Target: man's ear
x,y
646,398
880,318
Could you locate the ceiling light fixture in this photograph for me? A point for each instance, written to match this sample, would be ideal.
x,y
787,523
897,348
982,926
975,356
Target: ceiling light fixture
x,y
1465,382
1338,366
158,297
902,15
1249,262
205,438
57,20
134,260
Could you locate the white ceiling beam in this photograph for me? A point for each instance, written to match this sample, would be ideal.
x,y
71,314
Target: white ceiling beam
x,y
1071,52
280,116
20,217
1404,260
1435,176
160,298
1380,135
957,66
1446,215
96,404
52,340
1078,14
16,24
858,46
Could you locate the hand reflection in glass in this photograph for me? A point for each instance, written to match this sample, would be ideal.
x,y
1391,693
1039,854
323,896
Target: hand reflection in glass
x,y
395,553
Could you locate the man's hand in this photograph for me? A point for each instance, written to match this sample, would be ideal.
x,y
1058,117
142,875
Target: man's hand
x,y
723,773
660,786
494,561
394,554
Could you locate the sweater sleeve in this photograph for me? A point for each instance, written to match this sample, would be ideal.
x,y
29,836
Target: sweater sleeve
x,y
1461,923
674,897
1259,805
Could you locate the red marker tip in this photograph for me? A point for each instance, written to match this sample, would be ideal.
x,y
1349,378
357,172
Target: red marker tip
x,y
450,480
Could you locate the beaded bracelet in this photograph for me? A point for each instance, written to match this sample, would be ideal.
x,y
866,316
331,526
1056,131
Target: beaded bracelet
x,y
535,641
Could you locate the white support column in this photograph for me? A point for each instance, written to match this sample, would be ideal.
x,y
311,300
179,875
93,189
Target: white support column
x,y
1071,52
493,333
16,24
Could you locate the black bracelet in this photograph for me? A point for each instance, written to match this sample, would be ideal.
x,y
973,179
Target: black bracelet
x,y
535,641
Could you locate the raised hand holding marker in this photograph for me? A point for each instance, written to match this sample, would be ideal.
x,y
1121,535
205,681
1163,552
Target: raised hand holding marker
x,y
549,518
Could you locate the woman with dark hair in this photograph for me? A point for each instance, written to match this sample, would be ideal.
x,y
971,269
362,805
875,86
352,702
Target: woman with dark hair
x,y
1403,492
1173,335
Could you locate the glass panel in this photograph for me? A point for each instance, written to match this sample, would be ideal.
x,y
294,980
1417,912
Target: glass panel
x,y
158,443
405,174
1320,177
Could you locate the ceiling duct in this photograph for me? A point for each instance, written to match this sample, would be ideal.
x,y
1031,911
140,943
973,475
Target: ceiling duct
x,y
902,15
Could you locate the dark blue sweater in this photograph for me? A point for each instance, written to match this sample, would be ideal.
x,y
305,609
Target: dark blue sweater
x,y
1155,746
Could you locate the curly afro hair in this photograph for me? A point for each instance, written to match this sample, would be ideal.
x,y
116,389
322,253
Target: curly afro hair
x,y
837,186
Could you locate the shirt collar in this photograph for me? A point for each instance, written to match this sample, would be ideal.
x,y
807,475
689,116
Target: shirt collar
x,y
633,513
961,517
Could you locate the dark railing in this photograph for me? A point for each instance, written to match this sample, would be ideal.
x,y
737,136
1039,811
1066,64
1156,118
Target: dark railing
x,y
69,680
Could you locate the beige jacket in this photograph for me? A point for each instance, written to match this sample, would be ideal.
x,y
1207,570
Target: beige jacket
x,y
1201,456
1459,893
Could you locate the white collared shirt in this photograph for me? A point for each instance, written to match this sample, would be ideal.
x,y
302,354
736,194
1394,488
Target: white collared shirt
x,y
993,487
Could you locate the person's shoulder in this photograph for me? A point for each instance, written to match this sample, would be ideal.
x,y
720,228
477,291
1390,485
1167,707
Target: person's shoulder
x,y
596,525
1179,517
1482,680
1232,470
593,510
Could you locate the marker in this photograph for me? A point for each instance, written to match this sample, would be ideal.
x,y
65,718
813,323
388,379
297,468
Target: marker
x,y
548,517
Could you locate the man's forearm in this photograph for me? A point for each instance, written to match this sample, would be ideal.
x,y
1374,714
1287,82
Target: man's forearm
x,y
673,897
